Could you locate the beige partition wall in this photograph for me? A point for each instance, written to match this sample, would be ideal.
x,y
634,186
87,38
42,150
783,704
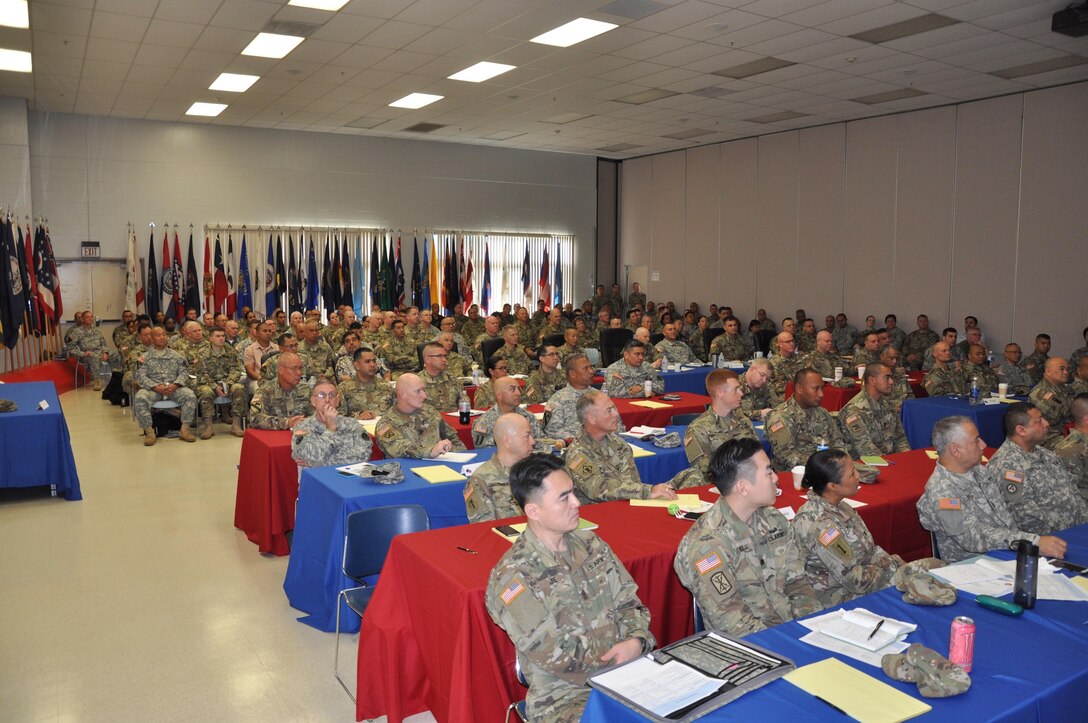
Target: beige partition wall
x,y
967,209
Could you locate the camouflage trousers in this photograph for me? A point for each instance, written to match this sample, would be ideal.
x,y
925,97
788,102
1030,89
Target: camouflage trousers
x,y
207,395
145,398
96,367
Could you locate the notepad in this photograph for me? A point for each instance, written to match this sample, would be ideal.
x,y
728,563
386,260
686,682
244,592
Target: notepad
x,y
932,453
875,461
637,452
650,404
438,473
451,456
369,425
684,500
860,696
513,532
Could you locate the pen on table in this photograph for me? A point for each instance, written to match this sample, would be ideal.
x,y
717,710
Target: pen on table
x,y
875,629
471,552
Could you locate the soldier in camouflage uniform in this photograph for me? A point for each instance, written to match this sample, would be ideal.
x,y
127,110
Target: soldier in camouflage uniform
x,y
561,414
456,364
1012,372
600,299
1073,449
317,357
901,388
1039,492
444,391
473,325
601,463
918,341
270,361
845,335
626,377
800,426
398,352
867,354
547,379
554,324
517,361
829,543
567,603
636,297
527,337
413,332
325,438
87,345
697,340
412,429
806,338
163,375
1053,398
962,504
487,492
976,368
367,395
731,345
121,332
720,422
786,363
570,345
944,378
333,332
870,421
507,401
1036,361
135,357
491,331
896,336
824,359
1081,353
1079,384
733,559
219,373
677,352
615,300
283,403
759,394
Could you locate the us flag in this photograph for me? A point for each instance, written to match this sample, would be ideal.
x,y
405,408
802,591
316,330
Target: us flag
x,y
708,563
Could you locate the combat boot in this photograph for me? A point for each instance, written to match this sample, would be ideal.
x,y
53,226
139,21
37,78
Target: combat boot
x,y
207,432
149,436
186,434
236,427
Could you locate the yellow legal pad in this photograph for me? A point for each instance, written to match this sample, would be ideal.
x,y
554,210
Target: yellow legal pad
x,y
439,473
860,696
650,404
685,500
637,451
932,453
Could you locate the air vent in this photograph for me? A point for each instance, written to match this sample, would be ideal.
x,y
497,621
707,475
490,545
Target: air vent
x,y
746,70
288,27
424,127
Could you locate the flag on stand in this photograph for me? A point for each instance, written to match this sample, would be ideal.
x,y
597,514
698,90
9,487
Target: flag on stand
x,y
425,277
443,277
383,276
179,280
466,294
545,287
166,279
417,288
313,281
525,279
436,273
134,290
192,285
209,282
357,296
398,278
12,292
232,280
271,278
375,292
279,288
245,298
461,271
485,283
294,290
558,280
346,290
453,278
220,288
152,300
327,298
30,282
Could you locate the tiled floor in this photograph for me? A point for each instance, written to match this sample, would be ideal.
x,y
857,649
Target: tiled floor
x,y
142,602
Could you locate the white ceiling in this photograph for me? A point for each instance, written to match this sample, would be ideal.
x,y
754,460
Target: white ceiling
x,y
153,58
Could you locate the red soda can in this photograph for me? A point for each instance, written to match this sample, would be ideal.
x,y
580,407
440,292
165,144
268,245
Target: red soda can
x,y
961,646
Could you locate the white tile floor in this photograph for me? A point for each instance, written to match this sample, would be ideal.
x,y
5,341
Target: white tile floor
x,y
143,602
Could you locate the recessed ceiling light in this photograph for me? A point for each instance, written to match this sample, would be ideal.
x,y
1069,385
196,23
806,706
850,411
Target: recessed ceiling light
x,y
13,14
234,82
270,45
332,5
415,100
207,109
15,60
574,32
481,72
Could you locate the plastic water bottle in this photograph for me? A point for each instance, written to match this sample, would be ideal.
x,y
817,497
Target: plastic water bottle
x,y
976,395
476,375
664,362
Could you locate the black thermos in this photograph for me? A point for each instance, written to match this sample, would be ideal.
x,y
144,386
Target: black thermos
x,y
1027,574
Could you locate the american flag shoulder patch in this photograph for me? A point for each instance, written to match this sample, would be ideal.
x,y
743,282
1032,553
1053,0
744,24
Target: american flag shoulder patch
x,y
777,426
708,563
948,503
515,589
829,535
1014,476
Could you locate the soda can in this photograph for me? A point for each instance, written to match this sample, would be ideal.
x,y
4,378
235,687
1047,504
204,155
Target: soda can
x,y
961,646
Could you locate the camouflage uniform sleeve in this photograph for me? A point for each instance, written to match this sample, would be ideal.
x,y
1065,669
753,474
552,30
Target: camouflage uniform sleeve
x,y
182,377
483,429
478,506
392,441
855,429
947,514
615,385
697,447
445,431
658,384
715,589
532,392
309,444
786,454
827,541
260,417
632,617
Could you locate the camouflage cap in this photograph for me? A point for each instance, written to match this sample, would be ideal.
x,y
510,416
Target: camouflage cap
x,y
6,405
938,677
387,473
844,383
921,588
690,477
896,667
672,439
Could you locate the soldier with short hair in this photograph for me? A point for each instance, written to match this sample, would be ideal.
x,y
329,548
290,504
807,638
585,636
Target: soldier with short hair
x,y
283,403
1053,398
399,352
325,438
677,352
1012,372
163,375
944,378
759,396
786,362
918,342
626,377
517,361
1036,362
800,426
870,421
976,368
824,359
412,429
901,388
444,392
487,491
548,377
367,395
1073,449
219,373
722,421
731,345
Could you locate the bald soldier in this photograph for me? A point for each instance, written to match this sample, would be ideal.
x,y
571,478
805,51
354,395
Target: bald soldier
x,y
944,378
1053,398
487,492
325,438
1073,450
283,403
412,429
507,401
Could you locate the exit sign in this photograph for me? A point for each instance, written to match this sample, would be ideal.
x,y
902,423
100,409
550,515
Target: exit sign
x,y
90,249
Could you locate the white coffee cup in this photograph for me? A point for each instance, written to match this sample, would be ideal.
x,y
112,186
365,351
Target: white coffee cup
x,y
861,371
1002,390
798,475
759,355
838,374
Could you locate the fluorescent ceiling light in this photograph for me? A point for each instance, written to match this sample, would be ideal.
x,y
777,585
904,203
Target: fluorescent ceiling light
x,y
270,45
332,5
15,60
481,72
574,32
13,14
208,109
234,82
415,100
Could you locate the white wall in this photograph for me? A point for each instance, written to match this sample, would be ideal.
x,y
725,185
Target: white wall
x,y
14,158
969,209
93,175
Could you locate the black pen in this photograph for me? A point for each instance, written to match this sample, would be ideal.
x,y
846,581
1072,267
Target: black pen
x,y
875,629
471,552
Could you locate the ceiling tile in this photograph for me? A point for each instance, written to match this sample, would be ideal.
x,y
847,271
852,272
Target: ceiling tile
x,y
116,50
193,11
118,27
172,33
47,17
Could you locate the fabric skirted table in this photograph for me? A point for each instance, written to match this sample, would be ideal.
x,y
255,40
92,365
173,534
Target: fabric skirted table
x,y
35,447
919,416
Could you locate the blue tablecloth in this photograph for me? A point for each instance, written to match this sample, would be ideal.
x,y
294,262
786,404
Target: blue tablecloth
x,y
919,416
35,448
1032,668
687,380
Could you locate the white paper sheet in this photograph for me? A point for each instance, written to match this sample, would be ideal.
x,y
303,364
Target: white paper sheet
x,y
819,640
660,689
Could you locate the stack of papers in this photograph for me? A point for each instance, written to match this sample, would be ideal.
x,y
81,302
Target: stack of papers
x,y
642,430
990,576
459,457
847,632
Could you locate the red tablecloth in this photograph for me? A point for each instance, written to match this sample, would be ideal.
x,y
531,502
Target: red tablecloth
x,y
916,379
264,505
427,642
835,398
634,415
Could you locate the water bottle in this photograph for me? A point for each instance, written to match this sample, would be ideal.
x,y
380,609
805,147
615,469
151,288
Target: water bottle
x,y
463,414
975,393
476,375
664,362
1027,574
648,388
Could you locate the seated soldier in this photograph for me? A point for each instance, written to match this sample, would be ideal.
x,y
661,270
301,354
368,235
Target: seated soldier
x,y
487,492
759,396
517,361
219,374
944,378
367,396
163,375
601,463
870,421
627,376
1053,398
800,426
412,429
507,401
677,352
283,403
325,438
976,368
547,379
720,422
444,391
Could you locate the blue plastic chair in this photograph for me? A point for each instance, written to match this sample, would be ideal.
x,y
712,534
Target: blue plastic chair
x,y
698,613
366,544
518,706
